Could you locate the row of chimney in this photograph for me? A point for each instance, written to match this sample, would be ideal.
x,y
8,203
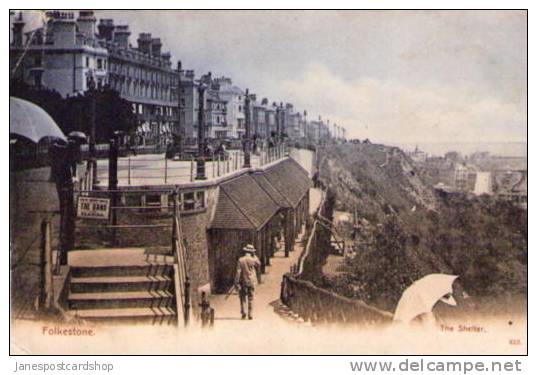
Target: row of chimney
x,y
121,33
64,23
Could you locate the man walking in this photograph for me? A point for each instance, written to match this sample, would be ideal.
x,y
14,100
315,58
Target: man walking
x,y
246,277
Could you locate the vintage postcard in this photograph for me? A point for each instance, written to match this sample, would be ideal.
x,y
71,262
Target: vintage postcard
x,y
268,182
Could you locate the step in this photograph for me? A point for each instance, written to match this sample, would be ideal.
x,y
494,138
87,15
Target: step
x,y
155,299
116,257
120,283
131,270
136,312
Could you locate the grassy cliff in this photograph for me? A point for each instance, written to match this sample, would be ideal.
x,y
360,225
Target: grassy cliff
x,y
405,230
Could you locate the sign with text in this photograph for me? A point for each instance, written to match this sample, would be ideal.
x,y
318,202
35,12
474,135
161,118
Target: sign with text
x,y
93,208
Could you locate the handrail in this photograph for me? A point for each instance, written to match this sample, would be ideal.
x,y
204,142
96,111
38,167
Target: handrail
x,y
46,293
127,191
306,251
316,304
182,282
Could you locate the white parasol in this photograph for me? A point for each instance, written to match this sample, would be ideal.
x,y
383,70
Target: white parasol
x,y
31,121
422,295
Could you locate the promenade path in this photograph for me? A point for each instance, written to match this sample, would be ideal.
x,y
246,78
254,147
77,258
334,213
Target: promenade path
x,y
267,308
154,169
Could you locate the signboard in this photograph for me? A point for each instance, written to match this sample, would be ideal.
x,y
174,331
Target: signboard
x,y
93,208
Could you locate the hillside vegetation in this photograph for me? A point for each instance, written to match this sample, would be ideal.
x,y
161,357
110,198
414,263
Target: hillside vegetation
x,y
411,231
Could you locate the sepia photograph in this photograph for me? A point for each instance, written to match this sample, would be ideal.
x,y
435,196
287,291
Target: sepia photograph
x,y
268,182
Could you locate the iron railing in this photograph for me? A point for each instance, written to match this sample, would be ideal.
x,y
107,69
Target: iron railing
x,y
182,281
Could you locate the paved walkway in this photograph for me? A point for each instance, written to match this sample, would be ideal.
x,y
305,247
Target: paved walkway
x,y
154,169
267,308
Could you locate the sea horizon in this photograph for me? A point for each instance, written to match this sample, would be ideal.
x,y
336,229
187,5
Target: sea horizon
x,y
506,149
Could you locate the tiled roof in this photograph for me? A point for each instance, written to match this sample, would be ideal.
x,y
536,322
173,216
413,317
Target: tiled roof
x,y
289,179
280,200
243,204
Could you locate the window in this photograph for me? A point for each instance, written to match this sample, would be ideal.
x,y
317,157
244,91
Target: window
x,y
99,63
171,198
87,62
38,79
193,200
152,200
37,61
200,199
189,202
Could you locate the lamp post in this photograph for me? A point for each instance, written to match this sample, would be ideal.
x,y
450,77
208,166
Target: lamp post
x,y
91,146
247,140
113,155
277,118
282,122
200,161
319,130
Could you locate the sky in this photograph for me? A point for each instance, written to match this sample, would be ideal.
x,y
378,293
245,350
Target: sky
x,y
391,76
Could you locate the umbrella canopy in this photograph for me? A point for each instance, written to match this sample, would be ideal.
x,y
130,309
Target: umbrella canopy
x,y
422,295
78,136
31,121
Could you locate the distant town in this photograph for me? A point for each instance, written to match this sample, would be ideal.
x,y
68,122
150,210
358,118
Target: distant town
x,y
505,177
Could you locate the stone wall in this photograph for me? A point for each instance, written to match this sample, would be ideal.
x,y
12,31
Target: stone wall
x,y
319,305
195,234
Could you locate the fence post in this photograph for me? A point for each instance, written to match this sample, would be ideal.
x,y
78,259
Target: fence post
x,y
46,292
212,163
165,169
191,169
282,291
129,173
174,227
90,176
227,165
187,300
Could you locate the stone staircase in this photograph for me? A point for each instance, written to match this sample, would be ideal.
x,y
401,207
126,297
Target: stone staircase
x,y
122,284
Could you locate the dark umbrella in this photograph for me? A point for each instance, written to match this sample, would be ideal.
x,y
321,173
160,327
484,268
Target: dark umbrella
x,y
79,137
31,121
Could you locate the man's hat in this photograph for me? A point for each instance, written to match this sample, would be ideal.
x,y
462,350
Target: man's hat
x,y
249,248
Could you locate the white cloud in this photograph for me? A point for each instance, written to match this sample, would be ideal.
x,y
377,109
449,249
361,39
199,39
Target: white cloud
x,y
388,110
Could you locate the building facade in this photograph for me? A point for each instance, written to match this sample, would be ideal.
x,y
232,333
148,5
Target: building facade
x,y
61,55
67,54
234,97
259,126
317,130
143,76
